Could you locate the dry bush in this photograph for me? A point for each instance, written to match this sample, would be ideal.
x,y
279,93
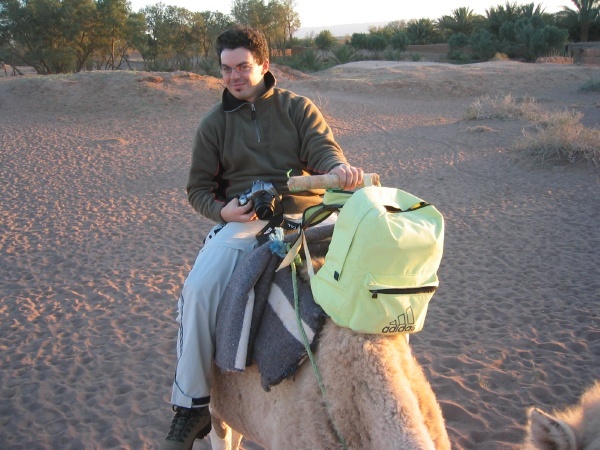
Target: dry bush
x,y
481,129
507,108
559,135
554,60
186,75
500,57
153,79
563,141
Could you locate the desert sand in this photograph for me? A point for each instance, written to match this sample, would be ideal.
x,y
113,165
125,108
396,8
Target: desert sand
x,y
96,238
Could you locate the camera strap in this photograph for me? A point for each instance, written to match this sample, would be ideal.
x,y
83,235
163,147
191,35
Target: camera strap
x,y
276,221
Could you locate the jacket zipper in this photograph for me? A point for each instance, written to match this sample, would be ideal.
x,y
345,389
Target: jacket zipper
x,y
255,122
406,291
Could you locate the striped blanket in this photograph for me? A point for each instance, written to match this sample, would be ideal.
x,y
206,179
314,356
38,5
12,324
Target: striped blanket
x,y
256,320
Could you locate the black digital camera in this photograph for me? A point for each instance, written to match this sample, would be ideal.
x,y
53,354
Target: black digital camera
x,y
264,197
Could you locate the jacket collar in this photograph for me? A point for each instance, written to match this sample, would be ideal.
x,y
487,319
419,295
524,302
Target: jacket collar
x,y
230,103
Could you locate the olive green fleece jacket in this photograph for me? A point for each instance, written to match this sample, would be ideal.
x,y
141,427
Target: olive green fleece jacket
x,y
238,142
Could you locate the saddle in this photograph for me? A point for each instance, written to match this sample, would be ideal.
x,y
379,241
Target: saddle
x,y
256,319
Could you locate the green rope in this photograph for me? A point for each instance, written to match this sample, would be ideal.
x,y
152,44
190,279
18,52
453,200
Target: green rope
x,y
309,351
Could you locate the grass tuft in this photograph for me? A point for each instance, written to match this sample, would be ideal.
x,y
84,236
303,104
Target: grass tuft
x,y
503,108
481,129
558,136
562,141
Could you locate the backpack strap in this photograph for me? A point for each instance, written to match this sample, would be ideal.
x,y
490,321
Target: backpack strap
x,y
333,201
292,252
314,215
311,216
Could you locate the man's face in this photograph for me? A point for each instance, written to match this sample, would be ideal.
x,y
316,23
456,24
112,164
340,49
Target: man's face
x,y
242,76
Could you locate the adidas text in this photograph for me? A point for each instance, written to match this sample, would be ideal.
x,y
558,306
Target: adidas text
x,y
404,323
398,329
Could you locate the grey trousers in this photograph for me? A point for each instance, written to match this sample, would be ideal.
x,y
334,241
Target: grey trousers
x,y
197,308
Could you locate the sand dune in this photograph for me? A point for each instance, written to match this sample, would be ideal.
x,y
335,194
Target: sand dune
x,y
97,238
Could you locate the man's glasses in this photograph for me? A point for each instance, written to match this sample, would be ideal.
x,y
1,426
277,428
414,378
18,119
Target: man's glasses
x,y
242,68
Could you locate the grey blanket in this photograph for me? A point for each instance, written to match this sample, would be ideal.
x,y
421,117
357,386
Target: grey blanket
x,y
256,320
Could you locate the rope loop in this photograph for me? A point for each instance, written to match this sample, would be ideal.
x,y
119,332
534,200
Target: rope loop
x,y
311,356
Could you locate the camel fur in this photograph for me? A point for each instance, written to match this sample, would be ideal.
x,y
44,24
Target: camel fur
x,y
577,428
377,397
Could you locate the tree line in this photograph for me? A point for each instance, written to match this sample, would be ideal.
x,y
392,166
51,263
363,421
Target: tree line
x,y
57,36
524,31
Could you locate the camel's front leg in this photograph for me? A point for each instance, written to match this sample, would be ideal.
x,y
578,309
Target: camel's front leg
x,y
223,437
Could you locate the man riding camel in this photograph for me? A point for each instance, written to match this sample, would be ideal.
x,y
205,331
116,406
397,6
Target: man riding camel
x,y
257,132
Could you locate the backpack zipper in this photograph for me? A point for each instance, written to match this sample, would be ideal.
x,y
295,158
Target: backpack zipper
x,y
392,209
402,291
253,114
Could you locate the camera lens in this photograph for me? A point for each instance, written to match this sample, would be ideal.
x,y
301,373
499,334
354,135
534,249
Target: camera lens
x,y
264,207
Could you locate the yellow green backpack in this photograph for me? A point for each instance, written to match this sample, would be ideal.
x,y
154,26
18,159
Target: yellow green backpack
x,y
381,267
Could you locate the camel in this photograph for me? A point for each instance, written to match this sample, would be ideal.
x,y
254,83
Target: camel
x,y
377,397
577,428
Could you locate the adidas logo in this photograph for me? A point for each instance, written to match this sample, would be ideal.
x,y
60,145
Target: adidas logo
x,y
404,323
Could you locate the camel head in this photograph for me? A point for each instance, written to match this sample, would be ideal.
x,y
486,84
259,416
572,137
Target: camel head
x,y
576,428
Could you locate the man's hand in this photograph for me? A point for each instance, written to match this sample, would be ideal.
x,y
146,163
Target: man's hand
x,y
233,212
350,177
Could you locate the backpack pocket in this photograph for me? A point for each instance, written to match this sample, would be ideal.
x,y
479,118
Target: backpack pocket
x,y
390,309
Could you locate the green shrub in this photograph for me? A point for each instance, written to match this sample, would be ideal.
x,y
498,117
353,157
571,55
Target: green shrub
x,y
209,66
399,41
547,40
359,40
591,86
458,41
392,55
376,42
483,44
344,54
459,56
465,58
307,61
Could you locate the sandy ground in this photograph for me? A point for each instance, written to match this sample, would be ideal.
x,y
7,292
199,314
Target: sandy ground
x,y
96,238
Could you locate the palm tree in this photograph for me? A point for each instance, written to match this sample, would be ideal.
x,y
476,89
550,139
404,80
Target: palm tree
x,y
462,20
325,41
498,15
422,31
586,13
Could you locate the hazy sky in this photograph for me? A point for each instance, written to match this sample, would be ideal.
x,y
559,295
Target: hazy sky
x,y
317,13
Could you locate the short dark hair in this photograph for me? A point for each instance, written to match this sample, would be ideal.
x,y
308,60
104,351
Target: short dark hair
x,y
244,36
